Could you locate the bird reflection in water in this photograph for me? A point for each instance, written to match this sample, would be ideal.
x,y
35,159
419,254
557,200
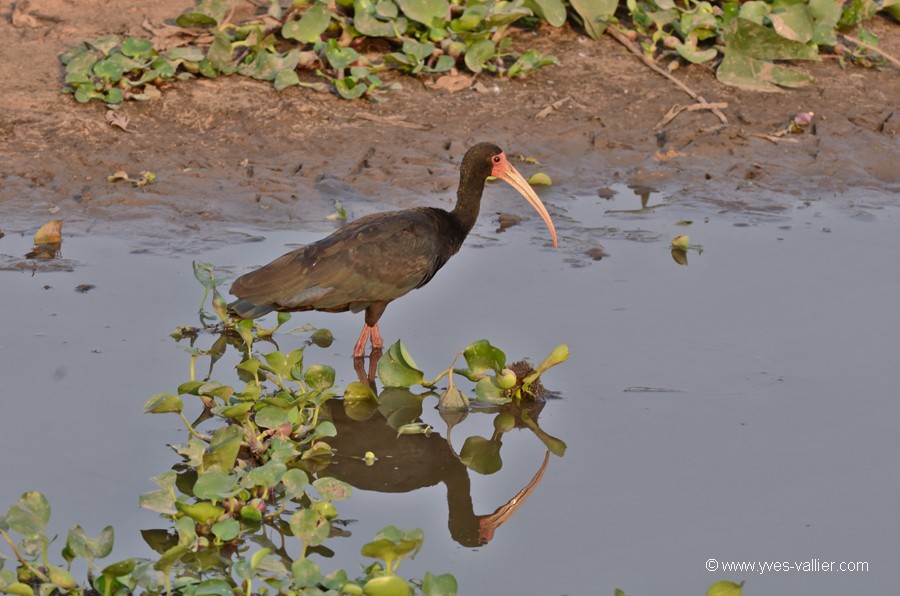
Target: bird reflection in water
x,y
411,462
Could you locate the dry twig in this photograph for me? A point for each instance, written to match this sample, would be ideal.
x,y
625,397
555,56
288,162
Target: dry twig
x,y
618,36
872,48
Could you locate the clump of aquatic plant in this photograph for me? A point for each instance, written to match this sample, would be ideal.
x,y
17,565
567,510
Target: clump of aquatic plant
x,y
495,382
251,468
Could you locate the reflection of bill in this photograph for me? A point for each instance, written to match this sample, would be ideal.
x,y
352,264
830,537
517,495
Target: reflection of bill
x,y
417,461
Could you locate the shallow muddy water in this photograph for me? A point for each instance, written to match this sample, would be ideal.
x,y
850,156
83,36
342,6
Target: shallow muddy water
x,y
740,408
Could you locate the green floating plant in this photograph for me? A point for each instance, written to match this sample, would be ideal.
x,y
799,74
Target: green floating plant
x,y
495,382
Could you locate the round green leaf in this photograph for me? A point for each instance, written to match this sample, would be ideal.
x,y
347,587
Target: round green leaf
x,y
319,376
478,53
333,489
311,25
135,47
306,573
227,529
552,11
428,12
310,527
271,417
162,403
214,485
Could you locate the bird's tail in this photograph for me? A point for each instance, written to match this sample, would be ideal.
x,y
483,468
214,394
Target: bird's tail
x,y
247,310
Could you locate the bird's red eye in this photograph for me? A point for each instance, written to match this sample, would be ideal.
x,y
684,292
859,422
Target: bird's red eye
x,y
496,159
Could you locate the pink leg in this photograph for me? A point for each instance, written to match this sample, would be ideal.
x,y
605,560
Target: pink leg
x,y
359,350
377,342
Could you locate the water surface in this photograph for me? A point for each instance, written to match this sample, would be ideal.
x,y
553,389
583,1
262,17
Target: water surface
x,y
742,407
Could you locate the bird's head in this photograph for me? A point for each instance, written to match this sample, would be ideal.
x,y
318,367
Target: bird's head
x,y
487,159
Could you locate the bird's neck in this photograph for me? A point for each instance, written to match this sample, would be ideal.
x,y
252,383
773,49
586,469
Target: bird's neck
x,y
468,200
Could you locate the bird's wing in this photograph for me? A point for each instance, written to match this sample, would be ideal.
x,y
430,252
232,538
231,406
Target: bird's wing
x,y
377,258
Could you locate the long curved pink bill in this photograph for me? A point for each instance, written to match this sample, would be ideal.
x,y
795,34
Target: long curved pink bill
x,y
506,172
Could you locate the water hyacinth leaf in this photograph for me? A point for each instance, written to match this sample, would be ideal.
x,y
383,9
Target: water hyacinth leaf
x,y
311,25
306,573
478,53
223,448
309,527
61,577
396,368
163,403
203,512
319,376
793,22
755,11
271,417
285,79
277,363
266,475
439,585
295,482
186,53
350,88
504,16
333,489
471,19
219,53
326,428
743,71
119,568
443,63
236,411
487,390
826,14
552,11
226,531
529,62
427,12
481,357
366,19
29,515
595,14
214,485
481,455
109,69
750,39
135,47
105,44
207,13
691,53
338,56
80,545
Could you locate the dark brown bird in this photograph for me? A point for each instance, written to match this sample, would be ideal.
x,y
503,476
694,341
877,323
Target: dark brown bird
x,y
378,258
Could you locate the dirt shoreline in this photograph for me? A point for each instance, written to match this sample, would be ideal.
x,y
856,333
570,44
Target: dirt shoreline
x,y
234,150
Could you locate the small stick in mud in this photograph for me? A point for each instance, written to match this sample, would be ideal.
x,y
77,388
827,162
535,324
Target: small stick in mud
x,y
618,36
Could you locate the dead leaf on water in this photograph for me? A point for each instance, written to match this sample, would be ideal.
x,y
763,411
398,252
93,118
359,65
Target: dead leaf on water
x,y
50,233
